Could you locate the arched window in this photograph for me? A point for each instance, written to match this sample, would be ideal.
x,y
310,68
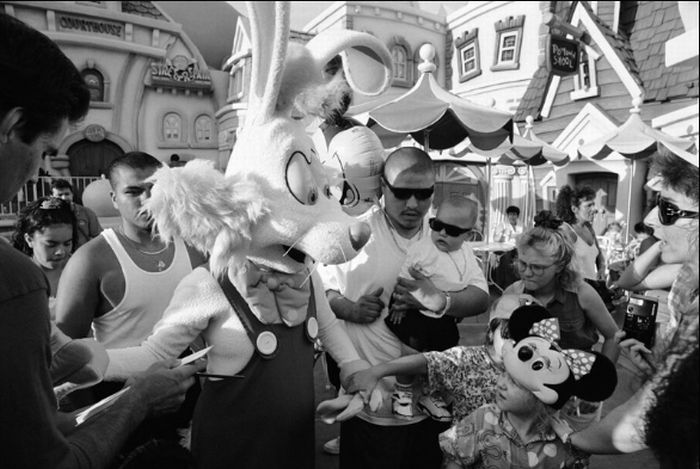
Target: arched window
x,y
203,129
95,83
399,58
172,127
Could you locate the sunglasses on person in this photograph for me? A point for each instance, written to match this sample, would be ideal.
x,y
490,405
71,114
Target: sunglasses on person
x,y
536,269
405,194
451,230
669,212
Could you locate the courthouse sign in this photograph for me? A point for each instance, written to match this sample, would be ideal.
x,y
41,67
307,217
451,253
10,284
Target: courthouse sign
x,y
72,23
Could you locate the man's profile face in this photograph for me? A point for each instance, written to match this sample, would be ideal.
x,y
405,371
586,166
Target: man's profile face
x,y
63,193
408,213
130,190
20,161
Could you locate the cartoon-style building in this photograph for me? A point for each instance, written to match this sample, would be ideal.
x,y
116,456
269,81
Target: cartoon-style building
x,y
151,89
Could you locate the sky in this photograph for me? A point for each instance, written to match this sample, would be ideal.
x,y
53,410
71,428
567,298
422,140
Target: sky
x,y
221,18
303,12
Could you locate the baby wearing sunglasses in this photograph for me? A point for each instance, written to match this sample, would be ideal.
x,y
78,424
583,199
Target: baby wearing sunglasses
x,y
451,266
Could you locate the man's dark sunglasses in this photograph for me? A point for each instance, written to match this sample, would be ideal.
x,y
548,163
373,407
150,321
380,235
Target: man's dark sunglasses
x,y
669,213
451,230
405,194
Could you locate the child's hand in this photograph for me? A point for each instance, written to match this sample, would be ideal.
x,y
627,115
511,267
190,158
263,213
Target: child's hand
x,y
560,426
395,317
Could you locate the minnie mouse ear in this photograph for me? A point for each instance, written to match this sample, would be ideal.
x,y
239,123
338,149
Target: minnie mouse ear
x,y
523,318
598,384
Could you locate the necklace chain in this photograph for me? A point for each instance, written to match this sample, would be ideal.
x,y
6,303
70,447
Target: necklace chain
x,y
136,246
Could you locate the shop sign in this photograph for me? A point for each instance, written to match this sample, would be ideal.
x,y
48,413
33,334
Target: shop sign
x,y
180,71
94,133
89,25
562,55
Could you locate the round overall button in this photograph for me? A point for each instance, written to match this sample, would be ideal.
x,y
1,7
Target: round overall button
x,y
312,328
266,343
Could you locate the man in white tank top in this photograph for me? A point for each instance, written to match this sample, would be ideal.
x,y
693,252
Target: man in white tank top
x,y
120,283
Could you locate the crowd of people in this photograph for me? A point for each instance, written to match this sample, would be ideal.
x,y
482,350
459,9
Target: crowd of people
x,y
531,395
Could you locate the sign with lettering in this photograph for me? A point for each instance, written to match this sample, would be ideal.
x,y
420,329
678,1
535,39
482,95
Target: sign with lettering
x,y
89,25
180,71
94,133
562,56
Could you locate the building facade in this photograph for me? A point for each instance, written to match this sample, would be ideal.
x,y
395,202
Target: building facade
x,y
150,87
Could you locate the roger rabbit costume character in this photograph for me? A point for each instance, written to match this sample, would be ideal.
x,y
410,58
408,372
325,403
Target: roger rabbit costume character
x,y
260,304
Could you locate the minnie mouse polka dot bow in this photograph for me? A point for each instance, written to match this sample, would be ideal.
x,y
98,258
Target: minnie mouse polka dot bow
x,y
580,362
547,329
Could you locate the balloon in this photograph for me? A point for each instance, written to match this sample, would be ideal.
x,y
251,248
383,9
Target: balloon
x,y
96,197
357,156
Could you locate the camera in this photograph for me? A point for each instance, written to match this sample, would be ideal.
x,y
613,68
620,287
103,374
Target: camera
x,y
640,319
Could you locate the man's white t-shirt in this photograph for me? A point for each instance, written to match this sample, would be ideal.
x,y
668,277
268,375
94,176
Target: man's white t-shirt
x,y
377,265
447,275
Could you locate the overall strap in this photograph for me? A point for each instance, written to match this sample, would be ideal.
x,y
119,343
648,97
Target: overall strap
x,y
262,337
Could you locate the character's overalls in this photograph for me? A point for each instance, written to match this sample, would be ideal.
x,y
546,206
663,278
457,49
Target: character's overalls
x,y
264,420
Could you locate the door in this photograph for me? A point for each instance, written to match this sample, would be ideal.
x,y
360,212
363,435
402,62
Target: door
x,y
92,158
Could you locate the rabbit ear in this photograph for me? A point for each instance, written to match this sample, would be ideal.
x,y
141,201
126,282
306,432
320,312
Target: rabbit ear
x,y
366,61
269,28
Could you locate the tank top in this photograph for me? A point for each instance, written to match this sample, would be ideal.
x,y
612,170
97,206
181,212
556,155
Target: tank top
x,y
146,295
587,255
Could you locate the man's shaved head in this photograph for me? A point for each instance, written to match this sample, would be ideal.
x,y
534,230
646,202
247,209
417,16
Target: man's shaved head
x,y
408,160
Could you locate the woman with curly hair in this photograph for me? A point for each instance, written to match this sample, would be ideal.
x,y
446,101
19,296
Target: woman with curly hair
x,y
45,231
549,275
663,414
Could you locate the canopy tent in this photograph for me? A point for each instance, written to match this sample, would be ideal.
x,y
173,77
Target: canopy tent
x,y
527,150
634,140
434,117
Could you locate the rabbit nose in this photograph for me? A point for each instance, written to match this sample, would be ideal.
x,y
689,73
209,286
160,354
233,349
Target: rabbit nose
x,y
359,235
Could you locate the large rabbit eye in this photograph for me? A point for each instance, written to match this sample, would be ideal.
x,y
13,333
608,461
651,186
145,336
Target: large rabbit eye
x,y
300,179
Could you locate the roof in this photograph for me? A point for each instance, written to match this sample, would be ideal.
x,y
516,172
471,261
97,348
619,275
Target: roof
x,y
653,24
532,100
640,43
143,8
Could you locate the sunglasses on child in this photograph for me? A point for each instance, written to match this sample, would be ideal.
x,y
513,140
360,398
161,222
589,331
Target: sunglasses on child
x,y
451,230
405,194
669,212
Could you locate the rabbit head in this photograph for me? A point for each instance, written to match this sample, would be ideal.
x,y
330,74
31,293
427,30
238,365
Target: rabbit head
x,y
303,220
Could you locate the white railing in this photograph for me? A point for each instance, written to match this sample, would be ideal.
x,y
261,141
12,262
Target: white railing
x,y
42,188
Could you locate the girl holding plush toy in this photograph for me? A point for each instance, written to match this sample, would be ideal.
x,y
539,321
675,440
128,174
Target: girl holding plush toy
x,y
539,378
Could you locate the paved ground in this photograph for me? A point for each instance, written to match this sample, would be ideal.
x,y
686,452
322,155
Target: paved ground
x,y
470,333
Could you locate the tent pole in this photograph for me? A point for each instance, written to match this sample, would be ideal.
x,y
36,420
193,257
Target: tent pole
x,y
487,226
629,200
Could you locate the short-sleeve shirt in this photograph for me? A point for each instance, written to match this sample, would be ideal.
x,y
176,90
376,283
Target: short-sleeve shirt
x,y
452,271
487,440
576,329
467,374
